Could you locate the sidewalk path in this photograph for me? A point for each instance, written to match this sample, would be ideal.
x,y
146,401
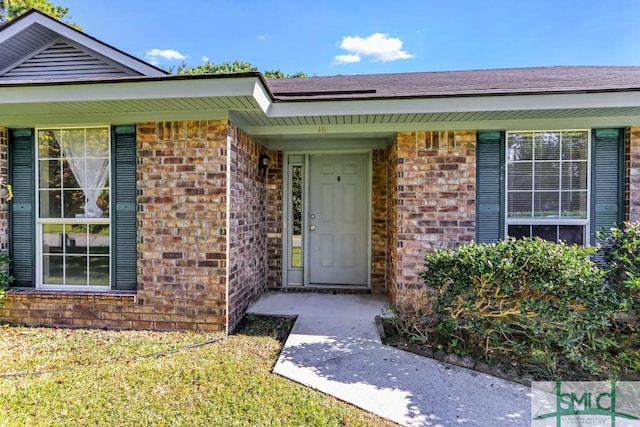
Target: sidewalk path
x,y
334,347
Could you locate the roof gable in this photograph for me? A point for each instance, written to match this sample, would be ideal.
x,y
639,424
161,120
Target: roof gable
x,y
38,47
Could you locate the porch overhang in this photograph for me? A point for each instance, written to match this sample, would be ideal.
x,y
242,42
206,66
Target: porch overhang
x,y
247,101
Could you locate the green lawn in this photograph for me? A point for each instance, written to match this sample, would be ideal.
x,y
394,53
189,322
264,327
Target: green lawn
x,y
65,377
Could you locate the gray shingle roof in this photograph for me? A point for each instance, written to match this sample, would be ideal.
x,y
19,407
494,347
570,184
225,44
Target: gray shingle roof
x,y
459,83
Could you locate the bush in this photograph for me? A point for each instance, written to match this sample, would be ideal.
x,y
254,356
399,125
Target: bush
x,y
521,298
5,277
620,247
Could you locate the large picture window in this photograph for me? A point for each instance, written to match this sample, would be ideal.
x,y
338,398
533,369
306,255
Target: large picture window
x,y
73,167
548,185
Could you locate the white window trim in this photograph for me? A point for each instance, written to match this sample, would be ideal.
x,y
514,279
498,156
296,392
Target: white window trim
x,y
547,221
40,221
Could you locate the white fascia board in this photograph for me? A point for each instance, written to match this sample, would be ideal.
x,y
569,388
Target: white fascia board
x,y
262,97
82,39
512,124
127,90
455,104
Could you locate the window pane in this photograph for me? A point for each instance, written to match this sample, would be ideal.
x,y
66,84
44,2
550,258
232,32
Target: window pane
x,y
50,202
519,204
49,173
520,146
98,142
574,204
69,177
520,177
99,271
575,145
48,147
75,270
519,231
52,238
76,238
98,239
73,204
574,176
72,141
547,175
572,234
103,202
547,146
52,270
546,204
296,216
546,232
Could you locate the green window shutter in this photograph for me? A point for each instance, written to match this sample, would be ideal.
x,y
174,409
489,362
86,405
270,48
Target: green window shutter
x,y
490,187
22,220
124,222
607,179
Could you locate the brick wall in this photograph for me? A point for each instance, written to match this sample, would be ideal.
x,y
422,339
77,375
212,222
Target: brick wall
x,y
435,196
274,219
632,173
182,223
379,222
182,241
247,224
392,219
4,223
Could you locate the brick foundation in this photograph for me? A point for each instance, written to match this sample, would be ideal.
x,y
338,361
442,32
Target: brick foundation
x,y
632,174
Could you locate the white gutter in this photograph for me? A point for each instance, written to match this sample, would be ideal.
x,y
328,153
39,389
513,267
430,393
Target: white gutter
x,y
455,104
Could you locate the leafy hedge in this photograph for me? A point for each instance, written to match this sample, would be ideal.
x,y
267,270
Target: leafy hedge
x,y
526,298
5,277
620,247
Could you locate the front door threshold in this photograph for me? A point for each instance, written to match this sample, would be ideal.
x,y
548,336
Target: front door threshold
x,y
336,289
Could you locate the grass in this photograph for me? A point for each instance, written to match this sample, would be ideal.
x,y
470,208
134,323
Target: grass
x,y
68,377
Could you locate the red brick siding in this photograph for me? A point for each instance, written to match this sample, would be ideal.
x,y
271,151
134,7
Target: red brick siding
x,y
632,174
4,222
435,195
379,221
274,219
393,244
247,224
182,241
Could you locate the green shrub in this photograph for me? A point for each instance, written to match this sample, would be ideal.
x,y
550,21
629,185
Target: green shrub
x,y
5,277
522,297
620,247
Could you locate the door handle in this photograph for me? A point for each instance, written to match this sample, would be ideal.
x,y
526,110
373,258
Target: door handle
x,y
313,227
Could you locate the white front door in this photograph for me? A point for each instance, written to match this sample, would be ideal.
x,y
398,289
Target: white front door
x,y
336,223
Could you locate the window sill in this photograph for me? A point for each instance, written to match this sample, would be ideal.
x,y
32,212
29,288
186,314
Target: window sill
x,y
30,293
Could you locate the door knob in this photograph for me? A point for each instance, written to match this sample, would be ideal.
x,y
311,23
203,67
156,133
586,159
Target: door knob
x,y
313,227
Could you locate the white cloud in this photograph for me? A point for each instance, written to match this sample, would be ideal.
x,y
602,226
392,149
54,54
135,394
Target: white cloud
x,y
261,37
346,59
205,59
377,46
156,55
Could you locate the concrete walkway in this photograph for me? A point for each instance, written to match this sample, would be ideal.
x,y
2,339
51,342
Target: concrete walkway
x,y
334,347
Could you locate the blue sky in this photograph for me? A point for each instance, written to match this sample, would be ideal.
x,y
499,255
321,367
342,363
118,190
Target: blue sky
x,y
327,37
